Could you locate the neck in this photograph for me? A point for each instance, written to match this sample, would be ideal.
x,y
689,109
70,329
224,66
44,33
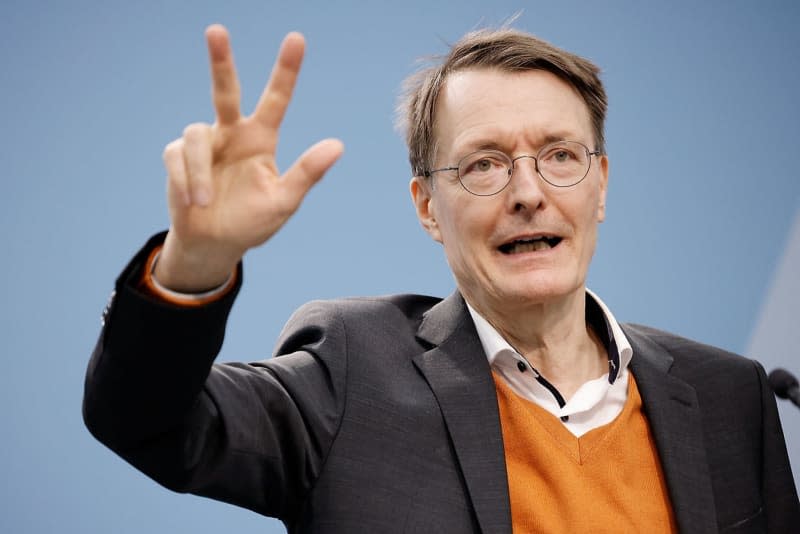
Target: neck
x,y
554,337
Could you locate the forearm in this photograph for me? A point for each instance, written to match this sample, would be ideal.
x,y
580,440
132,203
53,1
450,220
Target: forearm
x,y
249,434
151,360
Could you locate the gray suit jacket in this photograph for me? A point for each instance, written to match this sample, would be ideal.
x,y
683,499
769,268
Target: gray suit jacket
x,y
380,415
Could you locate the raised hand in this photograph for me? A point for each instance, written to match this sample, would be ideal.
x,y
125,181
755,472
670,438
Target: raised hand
x,y
224,190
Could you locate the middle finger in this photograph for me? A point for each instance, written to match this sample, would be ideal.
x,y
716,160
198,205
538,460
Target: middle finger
x,y
275,99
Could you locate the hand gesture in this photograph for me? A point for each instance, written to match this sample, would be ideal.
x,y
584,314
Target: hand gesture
x,y
225,192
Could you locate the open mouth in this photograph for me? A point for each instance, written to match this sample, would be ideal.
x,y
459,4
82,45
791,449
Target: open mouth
x,y
534,244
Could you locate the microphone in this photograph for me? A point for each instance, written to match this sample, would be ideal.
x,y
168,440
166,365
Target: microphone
x,y
785,385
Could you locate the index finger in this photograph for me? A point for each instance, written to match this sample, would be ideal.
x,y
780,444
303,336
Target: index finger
x,y
275,99
225,84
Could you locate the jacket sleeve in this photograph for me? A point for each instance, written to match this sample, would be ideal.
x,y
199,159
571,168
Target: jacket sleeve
x,y
254,435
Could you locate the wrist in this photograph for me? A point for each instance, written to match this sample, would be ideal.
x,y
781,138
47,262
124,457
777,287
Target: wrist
x,y
194,269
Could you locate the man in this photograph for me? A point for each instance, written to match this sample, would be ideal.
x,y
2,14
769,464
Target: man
x,y
516,403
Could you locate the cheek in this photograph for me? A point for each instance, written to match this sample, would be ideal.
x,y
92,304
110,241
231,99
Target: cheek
x,y
588,230
447,214
463,227
582,212
591,208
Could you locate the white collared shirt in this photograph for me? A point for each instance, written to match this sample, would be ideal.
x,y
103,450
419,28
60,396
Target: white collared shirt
x,y
596,403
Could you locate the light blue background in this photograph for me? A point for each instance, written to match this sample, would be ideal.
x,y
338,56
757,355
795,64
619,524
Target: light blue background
x,y
703,134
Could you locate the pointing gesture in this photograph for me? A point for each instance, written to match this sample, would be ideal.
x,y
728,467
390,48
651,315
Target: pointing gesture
x,y
225,192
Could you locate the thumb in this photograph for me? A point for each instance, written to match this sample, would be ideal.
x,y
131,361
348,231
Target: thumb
x,y
309,169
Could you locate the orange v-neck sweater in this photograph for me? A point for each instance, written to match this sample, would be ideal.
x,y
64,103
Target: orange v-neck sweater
x,y
607,480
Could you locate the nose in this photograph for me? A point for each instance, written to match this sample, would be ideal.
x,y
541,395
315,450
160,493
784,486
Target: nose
x,y
526,190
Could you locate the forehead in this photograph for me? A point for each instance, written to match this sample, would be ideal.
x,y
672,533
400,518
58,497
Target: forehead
x,y
513,110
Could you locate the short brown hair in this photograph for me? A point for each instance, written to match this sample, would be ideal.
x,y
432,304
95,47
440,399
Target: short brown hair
x,y
504,49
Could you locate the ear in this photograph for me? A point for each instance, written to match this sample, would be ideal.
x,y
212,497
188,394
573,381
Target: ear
x,y
601,201
422,197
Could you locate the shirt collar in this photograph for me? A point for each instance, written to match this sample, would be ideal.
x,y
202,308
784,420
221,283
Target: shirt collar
x,y
599,318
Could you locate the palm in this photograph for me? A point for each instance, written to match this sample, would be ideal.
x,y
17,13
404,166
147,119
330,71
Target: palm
x,y
246,191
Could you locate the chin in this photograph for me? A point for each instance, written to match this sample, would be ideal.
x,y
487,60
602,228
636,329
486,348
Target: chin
x,y
538,290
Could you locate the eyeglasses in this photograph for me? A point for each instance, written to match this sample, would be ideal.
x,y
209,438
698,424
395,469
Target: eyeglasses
x,y
487,172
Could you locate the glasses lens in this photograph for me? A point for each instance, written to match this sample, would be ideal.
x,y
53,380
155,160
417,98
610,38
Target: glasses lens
x,y
485,172
564,163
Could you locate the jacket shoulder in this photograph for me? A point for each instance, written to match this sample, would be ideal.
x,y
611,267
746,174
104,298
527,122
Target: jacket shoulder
x,y
388,314
679,345
369,309
689,358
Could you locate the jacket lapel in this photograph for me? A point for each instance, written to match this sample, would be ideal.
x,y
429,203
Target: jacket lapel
x,y
458,373
675,419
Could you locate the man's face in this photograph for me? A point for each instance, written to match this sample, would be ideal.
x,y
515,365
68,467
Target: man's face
x,y
516,113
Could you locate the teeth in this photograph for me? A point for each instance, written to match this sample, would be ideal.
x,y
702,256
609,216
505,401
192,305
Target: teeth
x,y
529,246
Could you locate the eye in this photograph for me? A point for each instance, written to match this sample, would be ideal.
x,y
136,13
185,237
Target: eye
x,y
559,155
483,163
562,155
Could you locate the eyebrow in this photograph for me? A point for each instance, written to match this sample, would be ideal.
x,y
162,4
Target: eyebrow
x,y
482,143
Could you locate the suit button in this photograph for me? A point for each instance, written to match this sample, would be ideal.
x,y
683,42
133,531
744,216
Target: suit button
x,y
521,366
